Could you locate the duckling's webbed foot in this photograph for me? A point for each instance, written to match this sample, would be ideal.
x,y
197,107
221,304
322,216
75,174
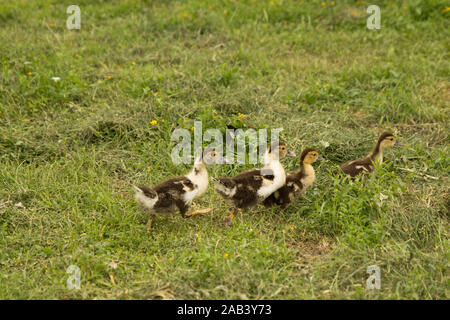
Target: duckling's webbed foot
x,y
197,212
229,219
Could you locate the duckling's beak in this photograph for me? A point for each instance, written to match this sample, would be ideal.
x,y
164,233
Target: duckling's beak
x,y
319,158
290,154
398,144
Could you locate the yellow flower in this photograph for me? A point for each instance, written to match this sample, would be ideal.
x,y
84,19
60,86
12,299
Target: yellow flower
x,y
225,11
153,122
163,121
447,9
109,77
184,15
171,259
318,94
323,4
192,128
226,255
240,115
327,85
133,63
371,203
30,73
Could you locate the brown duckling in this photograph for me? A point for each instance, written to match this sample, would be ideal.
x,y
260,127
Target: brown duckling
x,y
178,193
367,164
296,182
253,186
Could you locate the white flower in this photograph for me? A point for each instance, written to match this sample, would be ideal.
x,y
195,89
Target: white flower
x,y
383,197
19,205
56,79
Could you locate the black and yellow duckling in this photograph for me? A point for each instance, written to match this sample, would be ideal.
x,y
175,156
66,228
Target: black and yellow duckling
x,y
367,164
296,182
178,193
253,186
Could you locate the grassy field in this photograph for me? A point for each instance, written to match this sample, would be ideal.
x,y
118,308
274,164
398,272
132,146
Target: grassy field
x,y
71,149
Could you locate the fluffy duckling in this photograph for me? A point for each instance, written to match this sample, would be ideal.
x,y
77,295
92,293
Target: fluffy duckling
x,y
367,164
255,185
178,193
296,182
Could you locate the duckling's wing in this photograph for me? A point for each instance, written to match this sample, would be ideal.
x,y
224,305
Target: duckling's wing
x,y
176,193
175,186
355,167
226,182
145,191
254,175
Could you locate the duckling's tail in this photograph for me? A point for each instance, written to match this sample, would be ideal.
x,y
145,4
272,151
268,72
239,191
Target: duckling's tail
x,y
144,191
220,181
225,187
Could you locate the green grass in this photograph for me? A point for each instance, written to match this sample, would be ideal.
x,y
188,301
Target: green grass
x,y
71,149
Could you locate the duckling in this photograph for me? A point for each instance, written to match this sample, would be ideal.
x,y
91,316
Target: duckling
x,y
367,164
296,182
253,186
178,193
